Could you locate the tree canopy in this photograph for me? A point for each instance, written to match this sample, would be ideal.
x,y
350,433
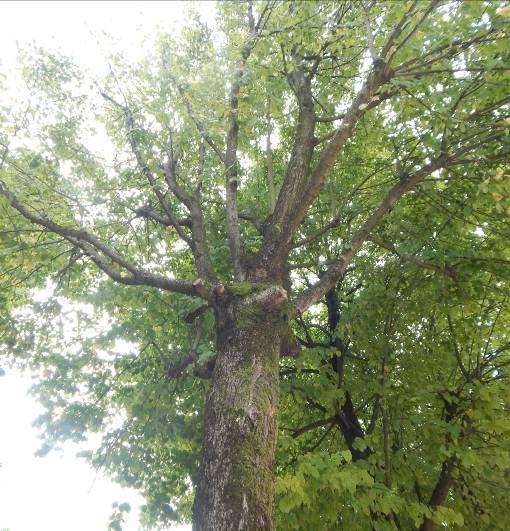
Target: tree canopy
x,y
372,139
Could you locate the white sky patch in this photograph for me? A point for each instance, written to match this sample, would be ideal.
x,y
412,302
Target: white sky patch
x,y
81,29
54,493
478,231
58,492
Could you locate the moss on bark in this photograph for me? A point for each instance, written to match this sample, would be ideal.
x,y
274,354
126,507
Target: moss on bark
x,y
235,489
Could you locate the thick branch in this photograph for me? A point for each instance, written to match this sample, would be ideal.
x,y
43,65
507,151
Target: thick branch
x,y
351,429
399,27
199,247
336,272
99,252
300,188
380,75
148,213
269,159
231,162
231,180
280,228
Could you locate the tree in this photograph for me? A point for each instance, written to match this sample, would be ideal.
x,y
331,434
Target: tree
x,y
300,214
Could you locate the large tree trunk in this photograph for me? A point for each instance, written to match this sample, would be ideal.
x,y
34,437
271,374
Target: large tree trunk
x,y
235,487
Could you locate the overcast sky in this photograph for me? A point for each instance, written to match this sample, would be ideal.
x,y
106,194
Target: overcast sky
x,y
56,493
61,492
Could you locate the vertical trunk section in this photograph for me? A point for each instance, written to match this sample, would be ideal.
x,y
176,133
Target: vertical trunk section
x,y
236,479
440,492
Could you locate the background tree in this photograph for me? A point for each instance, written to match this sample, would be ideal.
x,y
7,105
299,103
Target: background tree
x,y
300,214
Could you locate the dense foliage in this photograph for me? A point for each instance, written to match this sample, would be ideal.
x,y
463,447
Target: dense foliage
x,y
395,412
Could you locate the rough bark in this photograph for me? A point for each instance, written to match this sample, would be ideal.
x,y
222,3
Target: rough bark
x,y
235,487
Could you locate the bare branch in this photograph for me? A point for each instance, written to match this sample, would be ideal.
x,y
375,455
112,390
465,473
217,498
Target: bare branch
x,y
197,242
376,101
281,227
323,138
380,75
231,162
335,222
312,263
422,73
169,169
327,119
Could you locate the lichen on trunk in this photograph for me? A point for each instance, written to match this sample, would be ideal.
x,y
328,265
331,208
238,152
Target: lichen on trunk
x,y
235,488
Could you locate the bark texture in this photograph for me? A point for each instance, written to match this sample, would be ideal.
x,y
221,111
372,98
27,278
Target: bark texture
x,y
241,414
